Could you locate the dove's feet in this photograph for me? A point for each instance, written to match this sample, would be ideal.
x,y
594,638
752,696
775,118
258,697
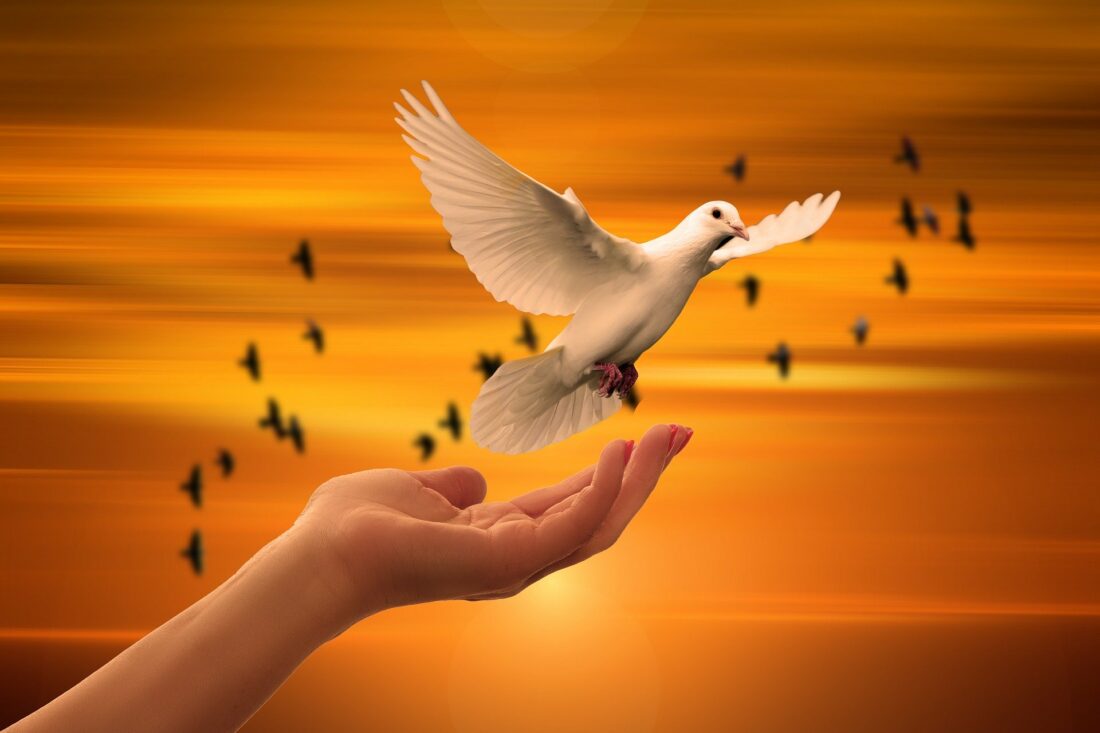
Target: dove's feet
x,y
611,378
630,376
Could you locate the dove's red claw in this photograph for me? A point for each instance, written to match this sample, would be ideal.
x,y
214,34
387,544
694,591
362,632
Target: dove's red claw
x,y
610,380
630,376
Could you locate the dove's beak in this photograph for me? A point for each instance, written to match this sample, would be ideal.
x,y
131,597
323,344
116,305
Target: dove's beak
x,y
739,231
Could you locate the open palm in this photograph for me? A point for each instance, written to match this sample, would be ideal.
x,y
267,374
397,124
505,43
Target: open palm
x,y
400,537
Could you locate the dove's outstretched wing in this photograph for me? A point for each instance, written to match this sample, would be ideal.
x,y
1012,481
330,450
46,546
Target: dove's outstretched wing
x,y
527,244
796,222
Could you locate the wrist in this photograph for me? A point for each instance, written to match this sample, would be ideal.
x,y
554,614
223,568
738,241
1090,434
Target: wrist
x,y
294,579
319,582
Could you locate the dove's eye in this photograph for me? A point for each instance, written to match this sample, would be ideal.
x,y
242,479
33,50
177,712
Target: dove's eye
x,y
717,213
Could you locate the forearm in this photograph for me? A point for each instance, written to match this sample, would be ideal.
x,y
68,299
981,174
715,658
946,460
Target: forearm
x,y
212,666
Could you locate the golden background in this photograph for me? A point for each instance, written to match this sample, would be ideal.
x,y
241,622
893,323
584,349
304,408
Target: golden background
x,y
900,537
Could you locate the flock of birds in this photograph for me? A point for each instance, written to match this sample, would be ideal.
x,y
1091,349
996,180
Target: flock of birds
x,y
290,428
899,274
487,365
451,424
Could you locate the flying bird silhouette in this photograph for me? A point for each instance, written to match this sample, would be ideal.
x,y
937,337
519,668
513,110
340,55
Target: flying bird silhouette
x,y
251,362
543,253
962,202
908,219
527,335
751,284
632,399
193,485
908,155
860,329
899,278
964,236
426,444
737,168
273,419
781,357
930,220
296,434
303,257
487,364
452,422
226,461
316,335
195,552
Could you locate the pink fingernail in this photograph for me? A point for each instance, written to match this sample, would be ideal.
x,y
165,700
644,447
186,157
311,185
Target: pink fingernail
x,y
628,451
672,436
687,440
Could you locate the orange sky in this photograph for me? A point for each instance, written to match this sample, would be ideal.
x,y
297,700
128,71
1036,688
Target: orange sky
x,y
906,532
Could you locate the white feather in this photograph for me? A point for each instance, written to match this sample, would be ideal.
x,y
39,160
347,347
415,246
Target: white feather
x,y
527,244
796,222
525,405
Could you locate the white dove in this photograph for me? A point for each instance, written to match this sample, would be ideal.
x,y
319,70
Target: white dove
x,y
540,251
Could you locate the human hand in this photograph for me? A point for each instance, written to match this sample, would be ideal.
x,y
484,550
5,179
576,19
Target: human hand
x,y
364,542
390,537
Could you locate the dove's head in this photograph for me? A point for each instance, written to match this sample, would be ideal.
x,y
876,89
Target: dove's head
x,y
718,223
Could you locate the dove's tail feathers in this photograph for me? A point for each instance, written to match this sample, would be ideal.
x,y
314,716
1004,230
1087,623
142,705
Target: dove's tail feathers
x,y
525,406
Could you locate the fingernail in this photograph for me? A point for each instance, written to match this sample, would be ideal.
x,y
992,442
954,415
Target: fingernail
x,y
672,436
687,440
628,451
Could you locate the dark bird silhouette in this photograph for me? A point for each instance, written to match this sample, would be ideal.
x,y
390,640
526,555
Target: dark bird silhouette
x,y
273,419
632,398
930,220
226,461
426,444
453,422
908,154
860,329
303,257
195,552
751,284
251,362
899,278
963,203
527,335
781,357
487,364
296,434
737,168
316,335
193,485
908,219
964,236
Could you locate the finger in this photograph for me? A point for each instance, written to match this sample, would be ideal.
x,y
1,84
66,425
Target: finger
x,y
659,445
461,485
524,547
535,503
679,438
642,471
688,434
657,448
566,530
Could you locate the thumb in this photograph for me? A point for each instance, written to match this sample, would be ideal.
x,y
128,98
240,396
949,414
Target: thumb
x,y
461,485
